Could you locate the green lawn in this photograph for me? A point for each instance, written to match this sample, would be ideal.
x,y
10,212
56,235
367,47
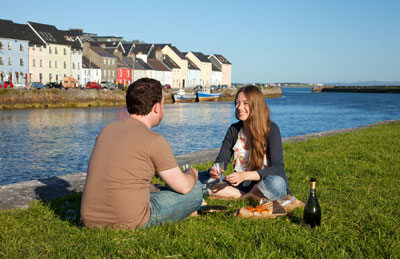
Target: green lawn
x,y
358,187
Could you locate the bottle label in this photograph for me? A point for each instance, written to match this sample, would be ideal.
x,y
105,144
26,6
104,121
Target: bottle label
x,y
313,185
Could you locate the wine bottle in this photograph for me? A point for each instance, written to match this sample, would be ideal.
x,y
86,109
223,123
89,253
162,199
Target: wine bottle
x,y
312,210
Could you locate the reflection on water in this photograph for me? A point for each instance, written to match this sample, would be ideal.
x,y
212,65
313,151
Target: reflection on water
x,y
47,142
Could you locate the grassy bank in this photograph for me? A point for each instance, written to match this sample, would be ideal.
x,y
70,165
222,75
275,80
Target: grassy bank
x,y
357,184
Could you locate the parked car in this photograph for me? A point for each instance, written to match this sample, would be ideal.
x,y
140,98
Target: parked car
x,y
38,85
54,85
6,84
120,86
167,86
93,85
198,87
107,85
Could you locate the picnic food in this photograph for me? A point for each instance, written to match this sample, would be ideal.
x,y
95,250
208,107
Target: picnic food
x,y
270,209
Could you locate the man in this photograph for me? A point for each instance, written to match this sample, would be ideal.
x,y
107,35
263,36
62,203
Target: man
x,y
124,160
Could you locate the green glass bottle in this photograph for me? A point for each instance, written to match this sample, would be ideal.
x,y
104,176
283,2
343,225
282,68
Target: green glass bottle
x,y
312,210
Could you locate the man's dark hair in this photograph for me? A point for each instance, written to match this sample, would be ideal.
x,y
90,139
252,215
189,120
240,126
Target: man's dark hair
x,y
142,95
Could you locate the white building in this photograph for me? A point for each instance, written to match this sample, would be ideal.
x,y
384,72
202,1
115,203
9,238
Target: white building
x,y
90,72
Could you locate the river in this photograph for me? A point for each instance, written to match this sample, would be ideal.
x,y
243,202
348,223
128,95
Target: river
x,y
38,143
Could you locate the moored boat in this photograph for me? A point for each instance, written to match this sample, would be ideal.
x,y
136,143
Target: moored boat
x,y
206,95
181,96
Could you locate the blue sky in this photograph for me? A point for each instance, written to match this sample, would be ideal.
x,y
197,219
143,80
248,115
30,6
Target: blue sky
x,y
266,41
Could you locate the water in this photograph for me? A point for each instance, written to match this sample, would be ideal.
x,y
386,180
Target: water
x,y
47,142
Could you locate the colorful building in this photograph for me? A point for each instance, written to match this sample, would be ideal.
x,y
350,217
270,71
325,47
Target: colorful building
x,y
14,59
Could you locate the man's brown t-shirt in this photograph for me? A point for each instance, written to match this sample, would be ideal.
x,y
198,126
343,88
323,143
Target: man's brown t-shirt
x,y
124,159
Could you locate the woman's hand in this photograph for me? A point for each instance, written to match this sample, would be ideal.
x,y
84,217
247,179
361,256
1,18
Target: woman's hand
x,y
214,174
236,178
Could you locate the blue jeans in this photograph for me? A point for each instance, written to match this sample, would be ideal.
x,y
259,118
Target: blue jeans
x,y
169,206
271,186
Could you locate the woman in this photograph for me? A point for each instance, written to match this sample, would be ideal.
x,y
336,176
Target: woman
x,y
256,146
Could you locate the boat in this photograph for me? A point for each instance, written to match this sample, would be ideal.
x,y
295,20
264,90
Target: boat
x,y
205,95
181,96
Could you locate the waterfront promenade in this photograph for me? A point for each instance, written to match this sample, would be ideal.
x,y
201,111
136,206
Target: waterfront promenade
x,y
18,195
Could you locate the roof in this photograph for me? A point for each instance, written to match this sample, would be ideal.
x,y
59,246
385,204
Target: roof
x,y
222,59
127,47
102,52
139,64
128,61
157,65
49,33
169,62
141,48
155,47
191,65
87,64
121,64
201,57
215,68
180,54
11,30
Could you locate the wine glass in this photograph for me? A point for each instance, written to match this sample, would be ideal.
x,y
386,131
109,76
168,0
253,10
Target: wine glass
x,y
219,166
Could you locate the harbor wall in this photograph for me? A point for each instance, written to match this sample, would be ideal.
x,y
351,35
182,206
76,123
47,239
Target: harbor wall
x,y
79,98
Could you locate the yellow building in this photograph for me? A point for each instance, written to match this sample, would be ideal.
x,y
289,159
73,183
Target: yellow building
x,y
179,72
205,66
51,62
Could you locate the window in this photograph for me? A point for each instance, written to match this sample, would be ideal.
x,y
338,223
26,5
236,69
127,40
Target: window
x,y
1,45
21,62
49,63
41,48
73,65
65,64
104,73
40,63
55,64
9,46
113,73
120,73
33,63
50,50
78,66
113,61
34,47
9,61
55,50
1,61
128,73
65,51
104,61
50,77
21,47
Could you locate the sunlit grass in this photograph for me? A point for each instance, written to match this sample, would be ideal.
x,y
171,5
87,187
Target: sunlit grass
x,y
357,185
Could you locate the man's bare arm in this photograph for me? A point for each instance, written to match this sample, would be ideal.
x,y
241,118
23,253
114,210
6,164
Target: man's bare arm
x,y
181,182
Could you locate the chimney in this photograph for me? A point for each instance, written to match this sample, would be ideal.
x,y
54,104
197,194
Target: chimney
x,y
159,55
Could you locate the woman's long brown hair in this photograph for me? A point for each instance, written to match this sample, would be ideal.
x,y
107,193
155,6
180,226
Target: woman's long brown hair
x,y
259,122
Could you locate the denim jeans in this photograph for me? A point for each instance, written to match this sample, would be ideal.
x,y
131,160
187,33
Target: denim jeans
x,y
272,186
169,206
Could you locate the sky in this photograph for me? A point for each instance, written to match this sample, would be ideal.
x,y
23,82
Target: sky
x,y
309,41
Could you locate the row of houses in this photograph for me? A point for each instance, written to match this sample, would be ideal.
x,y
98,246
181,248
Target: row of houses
x,y
35,52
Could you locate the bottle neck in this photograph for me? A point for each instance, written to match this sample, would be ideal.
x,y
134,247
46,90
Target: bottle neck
x,y
313,186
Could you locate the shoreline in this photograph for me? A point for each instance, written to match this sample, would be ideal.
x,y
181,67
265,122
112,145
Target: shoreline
x,y
14,99
18,195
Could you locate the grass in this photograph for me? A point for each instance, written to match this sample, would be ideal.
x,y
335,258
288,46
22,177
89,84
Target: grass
x,y
357,185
